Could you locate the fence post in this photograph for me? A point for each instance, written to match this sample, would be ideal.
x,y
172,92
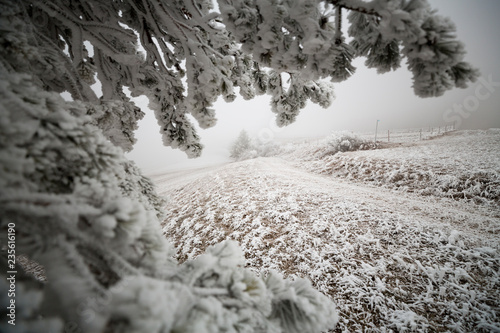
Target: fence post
x,y
388,138
420,134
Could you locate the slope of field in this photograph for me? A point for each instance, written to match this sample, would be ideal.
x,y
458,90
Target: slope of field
x,y
463,165
391,260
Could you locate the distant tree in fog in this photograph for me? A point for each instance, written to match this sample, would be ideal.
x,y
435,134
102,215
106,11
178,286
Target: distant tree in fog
x,y
242,145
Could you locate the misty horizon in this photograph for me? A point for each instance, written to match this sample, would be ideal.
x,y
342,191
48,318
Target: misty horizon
x,y
359,101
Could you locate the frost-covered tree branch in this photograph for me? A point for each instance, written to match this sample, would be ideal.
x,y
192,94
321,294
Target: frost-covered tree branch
x,y
189,44
86,214
90,218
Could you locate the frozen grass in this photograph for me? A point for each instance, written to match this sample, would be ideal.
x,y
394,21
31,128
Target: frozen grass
x,y
391,260
460,165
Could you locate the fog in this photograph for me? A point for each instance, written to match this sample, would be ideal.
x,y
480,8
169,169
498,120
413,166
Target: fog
x,y
360,101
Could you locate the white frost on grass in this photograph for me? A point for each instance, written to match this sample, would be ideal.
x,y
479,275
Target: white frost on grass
x,y
463,165
391,260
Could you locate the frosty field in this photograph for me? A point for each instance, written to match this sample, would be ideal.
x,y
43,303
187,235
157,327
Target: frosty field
x,y
404,238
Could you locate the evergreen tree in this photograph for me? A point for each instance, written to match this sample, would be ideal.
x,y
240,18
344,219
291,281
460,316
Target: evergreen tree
x,y
241,145
85,213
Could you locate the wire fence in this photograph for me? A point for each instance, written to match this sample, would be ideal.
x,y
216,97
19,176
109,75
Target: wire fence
x,y
407,134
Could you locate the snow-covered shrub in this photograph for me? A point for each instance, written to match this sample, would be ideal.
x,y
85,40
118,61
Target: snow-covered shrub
x,y
342,142
248,155
267,149
244,148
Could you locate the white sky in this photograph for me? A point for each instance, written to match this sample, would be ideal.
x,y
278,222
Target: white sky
x,y
359,102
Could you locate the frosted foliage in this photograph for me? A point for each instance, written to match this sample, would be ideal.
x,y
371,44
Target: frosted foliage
x,y
117,119
88,216
190,55
304,39
244,147
214,294
380,53
85,214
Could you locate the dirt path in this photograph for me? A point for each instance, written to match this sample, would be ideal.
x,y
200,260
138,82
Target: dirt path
x,y
480,222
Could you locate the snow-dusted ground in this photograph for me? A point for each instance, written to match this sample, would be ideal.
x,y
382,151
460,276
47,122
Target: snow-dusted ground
x,y
462,165
392,260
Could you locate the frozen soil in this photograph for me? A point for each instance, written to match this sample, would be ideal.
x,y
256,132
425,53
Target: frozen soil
x,y
392,260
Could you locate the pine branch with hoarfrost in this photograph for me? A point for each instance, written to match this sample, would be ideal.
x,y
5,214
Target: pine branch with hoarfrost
x,y
89,217
83,212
